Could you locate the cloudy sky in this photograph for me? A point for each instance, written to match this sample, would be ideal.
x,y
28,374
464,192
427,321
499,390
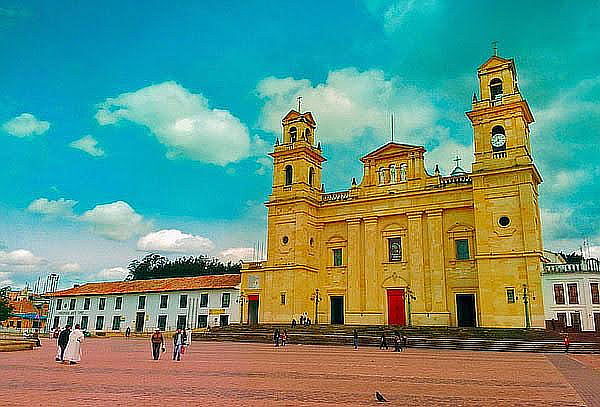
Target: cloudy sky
x,y
130,127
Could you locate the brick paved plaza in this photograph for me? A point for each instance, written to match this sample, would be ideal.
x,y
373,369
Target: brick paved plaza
x,y
118,372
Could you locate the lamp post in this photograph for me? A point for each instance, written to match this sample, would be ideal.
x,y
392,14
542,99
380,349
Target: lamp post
x,y
316,297
526,305
243,298
410,296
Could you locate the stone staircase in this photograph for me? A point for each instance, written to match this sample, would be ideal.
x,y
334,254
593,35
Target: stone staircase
x,y
10,345
481,339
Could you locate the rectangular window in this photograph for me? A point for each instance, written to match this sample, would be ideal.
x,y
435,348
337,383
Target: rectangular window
x,y
559,294
56,323
573,295
162,322
462,249
86,303
72,304
510,295
202,321
99,322
141,302
576,321
203,300
562,318
395,249
164,301
102,304
181,321
59,304
282,298
223,320
118,302
70,320
116,325
183,301
595,293
225,298
337,257
84,322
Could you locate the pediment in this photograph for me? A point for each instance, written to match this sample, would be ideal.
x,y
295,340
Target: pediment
x,y
392,149
494,62
294,115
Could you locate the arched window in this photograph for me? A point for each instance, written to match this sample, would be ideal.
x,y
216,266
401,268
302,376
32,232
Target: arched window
x,y
495,88
393,178
307,134
403,170
293,134
288,175
381,173
311,176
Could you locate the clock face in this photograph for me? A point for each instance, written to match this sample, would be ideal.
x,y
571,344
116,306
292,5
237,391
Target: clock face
x,y
498,140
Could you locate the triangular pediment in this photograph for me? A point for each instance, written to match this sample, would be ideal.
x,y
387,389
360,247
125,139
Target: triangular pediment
x,y
495,61
392,149
295,115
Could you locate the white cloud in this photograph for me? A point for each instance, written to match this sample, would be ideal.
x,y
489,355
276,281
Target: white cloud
x,y
116,221
89,145
394,13
566,180
19,257
445,152
175,241
235,254
114,273
264,164
69,267
59,207
26,125
556,224
182,121
350,104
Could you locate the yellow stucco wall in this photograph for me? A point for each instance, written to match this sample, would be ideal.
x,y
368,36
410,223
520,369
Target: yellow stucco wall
x,y
427,212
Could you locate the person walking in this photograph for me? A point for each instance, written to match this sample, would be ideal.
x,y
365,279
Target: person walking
x,y
178,342
567,342
284,337
63,340
397,347
404,341
383,343
355,339
73,350
276,337
128,332
158,343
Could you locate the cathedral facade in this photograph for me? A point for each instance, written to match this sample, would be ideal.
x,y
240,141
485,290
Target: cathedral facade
x,y
404,247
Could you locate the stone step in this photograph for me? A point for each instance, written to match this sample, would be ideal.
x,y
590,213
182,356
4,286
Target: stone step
x,y
10,345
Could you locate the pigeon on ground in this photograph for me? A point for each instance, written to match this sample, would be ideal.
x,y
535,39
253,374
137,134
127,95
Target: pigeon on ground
x,y
380,397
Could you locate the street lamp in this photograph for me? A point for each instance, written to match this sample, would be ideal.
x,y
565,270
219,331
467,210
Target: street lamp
x,y
243,298
526,305
316,297
410,296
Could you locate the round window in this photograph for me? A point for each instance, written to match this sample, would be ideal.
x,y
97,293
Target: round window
x,y
285,240
504,221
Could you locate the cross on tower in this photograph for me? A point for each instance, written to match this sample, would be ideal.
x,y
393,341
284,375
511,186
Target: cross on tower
x,y
299,103
457,160
495,47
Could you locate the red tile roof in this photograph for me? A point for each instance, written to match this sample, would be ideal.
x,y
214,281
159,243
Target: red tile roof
x,y
157,285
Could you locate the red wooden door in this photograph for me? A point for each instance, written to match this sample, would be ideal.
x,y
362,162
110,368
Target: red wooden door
x,y
396,313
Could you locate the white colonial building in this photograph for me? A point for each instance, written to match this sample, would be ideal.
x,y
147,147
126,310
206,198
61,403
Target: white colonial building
x,y
144,305
572,294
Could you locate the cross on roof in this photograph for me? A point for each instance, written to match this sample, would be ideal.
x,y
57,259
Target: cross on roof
x,y
457,160
299,103
495,47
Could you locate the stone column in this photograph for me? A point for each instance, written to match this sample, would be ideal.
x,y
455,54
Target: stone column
x,y
354,272
415,259
436,261
372,272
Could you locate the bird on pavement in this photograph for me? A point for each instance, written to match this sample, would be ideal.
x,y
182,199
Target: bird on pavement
x,y
380,397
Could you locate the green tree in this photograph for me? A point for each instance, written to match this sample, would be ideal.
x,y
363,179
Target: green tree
x,y
156,266
5,308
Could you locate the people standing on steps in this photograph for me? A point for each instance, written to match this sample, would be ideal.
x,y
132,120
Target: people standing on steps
x,y
567,343
276,337
383,343
397,344
355,339
158,343
284,337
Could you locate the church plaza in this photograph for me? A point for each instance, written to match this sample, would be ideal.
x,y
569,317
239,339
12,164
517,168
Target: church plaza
x,y
117,371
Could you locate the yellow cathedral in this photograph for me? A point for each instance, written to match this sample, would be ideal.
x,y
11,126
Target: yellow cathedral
x,y
404,247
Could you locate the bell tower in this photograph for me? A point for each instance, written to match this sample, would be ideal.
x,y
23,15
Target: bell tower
x,y
297,161
505,200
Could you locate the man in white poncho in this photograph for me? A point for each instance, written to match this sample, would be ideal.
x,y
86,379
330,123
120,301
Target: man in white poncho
x,y
73,351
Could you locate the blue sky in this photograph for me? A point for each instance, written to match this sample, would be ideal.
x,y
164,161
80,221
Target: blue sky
x,y
140,126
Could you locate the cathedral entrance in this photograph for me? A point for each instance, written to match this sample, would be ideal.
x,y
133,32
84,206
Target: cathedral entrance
x,y
396,312
337,310
465,310
253,309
